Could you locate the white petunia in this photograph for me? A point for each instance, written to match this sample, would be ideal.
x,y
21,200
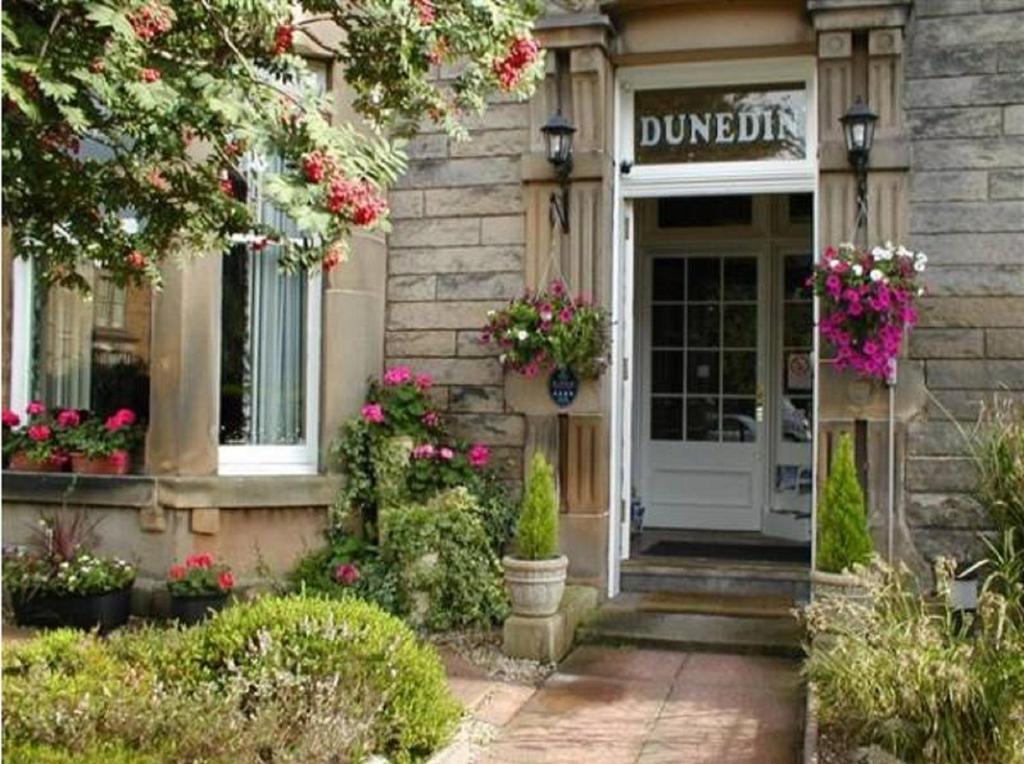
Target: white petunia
x,y
882,253
920,291
904,252
492,313
919,265
833,264
502,358
858,269
876,275
523,334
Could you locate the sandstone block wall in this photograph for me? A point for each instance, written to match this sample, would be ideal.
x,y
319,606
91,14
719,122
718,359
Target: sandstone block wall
x,y
964,101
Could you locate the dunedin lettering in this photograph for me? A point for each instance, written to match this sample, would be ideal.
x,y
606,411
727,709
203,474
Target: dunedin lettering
x,y
756,126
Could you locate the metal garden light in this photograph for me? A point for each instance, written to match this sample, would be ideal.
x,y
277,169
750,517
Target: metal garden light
x,y
859,130
558,134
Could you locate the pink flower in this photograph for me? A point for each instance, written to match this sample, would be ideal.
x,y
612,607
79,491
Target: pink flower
x,y
10,419
397,375
176,573
445,453
373,413
149,74
423,451
127,417
69,418
557,288
834,285
432,419
35,408
479,455
39,433
531,369
565,316
226,581
119,458
201,560
346,574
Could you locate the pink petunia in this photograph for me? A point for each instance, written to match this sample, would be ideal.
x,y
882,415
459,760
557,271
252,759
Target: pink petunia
x,y
423,451
445,453
373,413
557,288
479,455
565,315
432,419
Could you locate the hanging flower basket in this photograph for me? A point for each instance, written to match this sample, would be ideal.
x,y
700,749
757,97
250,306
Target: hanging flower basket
x,y
554,336
868,305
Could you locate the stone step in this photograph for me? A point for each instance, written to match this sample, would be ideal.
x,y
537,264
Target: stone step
x,y
719,577
703,603
693,632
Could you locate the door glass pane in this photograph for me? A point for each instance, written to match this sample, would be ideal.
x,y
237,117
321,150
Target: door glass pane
x,y
667,372
740,278
702,419
798,268
666,418
704,278
702,326
739,421
796,419
668,326
739,373
701,372
669,279
740,326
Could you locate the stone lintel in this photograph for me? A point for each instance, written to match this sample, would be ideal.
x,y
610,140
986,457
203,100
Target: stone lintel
x,y
829,15
573,30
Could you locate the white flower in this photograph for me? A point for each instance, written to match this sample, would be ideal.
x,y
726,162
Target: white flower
x,y
522,335
904,252
919,265
833,264
858,269
492,313
920,291
921,257
876,275
502,358
882,253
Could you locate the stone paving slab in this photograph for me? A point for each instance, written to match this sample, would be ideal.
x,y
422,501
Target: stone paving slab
x,y
609,705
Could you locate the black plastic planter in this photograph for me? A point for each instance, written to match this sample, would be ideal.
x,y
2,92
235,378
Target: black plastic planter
x,y
188,611
105,611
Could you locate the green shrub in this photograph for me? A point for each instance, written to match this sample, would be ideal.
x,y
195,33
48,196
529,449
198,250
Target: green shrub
x,y
537,530
843,538
282,680
369,657
924,683
450,576
378,582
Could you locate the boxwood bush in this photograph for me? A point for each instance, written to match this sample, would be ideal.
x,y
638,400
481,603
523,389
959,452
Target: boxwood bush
x,y
280,680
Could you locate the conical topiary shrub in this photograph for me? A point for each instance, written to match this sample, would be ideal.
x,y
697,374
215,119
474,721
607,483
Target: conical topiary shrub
x,y
843,538
537,531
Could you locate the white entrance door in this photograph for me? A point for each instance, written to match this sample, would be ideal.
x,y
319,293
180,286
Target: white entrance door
x,y
704,350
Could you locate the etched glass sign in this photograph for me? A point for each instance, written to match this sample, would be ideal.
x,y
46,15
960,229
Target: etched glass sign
x,y
720,124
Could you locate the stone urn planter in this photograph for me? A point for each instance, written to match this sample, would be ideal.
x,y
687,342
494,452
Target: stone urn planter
x,y
535,586
837,585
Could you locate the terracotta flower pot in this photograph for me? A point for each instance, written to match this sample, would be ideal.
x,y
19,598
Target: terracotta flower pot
x,y
22,463
100,465
536,586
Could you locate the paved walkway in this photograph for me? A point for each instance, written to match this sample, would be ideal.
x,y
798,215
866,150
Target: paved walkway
x,y
609,705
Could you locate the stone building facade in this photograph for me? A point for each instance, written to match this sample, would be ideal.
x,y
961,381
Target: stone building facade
x,y
471,229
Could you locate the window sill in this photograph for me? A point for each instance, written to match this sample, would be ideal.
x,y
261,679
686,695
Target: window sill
x,y
174,492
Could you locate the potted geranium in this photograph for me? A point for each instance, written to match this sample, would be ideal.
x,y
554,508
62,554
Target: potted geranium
x,y
868,300
58,581
551,331
535,574
102,447
198,588
36,445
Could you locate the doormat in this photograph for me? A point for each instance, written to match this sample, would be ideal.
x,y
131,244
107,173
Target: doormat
x,y
770,553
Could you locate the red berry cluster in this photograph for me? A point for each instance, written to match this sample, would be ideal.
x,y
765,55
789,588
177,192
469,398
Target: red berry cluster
x,y
425,10
149,75
315,166
227,187
522,52
136,259
334,256
150,21
283,39
355,198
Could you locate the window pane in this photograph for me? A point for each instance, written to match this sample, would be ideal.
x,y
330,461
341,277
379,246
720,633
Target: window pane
x,y
739,373
705,211
739,422
666,418
669,278
667,372
797,325
798,268
701,372
702,326
740,278
740,326
704,278
263,356
667,330
702,419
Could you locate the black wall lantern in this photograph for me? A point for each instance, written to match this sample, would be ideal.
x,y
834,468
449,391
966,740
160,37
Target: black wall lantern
x,y
558,133
859,130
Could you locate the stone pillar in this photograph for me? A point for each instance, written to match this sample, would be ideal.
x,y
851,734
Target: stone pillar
x,y
184,387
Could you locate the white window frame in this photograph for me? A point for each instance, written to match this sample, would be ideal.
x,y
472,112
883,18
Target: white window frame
x,y
22,296
299,459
